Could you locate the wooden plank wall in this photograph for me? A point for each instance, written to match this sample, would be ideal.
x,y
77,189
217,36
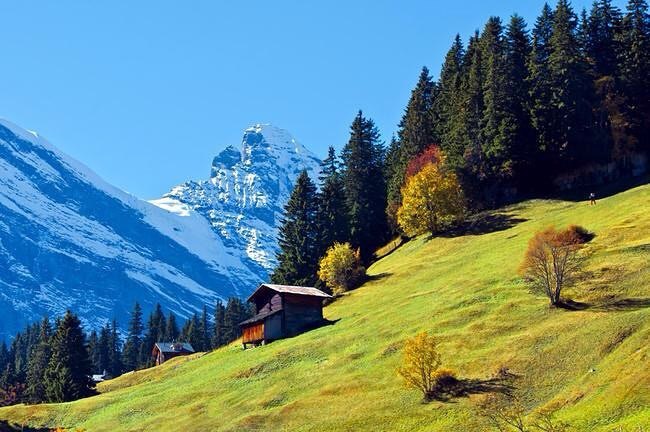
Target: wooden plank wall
x,y
253,333
301,312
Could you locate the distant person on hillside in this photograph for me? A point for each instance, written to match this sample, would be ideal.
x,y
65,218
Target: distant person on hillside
x,y
592,198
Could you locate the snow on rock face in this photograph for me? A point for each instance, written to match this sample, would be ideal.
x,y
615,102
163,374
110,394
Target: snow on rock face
x,y
70,240
244,197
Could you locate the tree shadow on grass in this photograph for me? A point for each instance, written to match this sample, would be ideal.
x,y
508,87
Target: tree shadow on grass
x,y
620,305
5,426
378,276
464,387
483,223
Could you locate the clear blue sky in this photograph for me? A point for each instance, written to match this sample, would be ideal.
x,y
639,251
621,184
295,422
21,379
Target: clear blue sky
x,y
147,92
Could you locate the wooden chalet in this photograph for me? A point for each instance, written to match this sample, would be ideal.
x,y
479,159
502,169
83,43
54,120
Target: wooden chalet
x,y
282,311
163,351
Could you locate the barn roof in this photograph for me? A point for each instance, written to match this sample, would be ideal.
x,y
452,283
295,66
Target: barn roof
x,y
259,317
174,347
300,290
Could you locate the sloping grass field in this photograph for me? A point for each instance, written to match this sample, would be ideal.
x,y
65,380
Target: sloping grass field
x,y
592,365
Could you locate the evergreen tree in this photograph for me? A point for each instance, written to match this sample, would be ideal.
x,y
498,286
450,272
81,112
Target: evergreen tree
x,y
67,376
392,167
93,350
571,111
497,123
365,189
204,330
219,330
192,333
416,132
449,106
115,351
103,350
469,134
4,355
541,89
38,363
331,219
156,326
329,166
19,357
600,40
634,64
133,345
298,240
171,331
235,312
523,150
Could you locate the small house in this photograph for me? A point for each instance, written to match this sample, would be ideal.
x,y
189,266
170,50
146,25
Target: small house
x,y
282,311
163,351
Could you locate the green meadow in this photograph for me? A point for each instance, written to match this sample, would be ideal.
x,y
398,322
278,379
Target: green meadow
x,y
591,365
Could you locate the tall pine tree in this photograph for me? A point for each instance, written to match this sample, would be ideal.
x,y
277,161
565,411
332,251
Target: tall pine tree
x,y
133,344
171,331
298,240
498,123
332,223
634,64
67,376
524,150
219,329
570,90
365,188
37,365
450,106
416,132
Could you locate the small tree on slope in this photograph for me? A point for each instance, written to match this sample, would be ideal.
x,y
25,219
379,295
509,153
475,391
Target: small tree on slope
x,y
552,260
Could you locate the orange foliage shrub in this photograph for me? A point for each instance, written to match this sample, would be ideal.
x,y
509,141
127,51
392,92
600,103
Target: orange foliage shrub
x,y
552,260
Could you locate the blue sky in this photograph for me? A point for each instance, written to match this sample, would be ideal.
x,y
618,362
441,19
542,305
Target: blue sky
x,y
147,92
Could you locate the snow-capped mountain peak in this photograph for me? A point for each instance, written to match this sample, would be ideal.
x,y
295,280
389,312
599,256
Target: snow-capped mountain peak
x,y
248,186
68,239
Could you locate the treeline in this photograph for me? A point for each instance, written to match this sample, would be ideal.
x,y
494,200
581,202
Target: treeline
x,y
518,112
514,113
54,362
203,331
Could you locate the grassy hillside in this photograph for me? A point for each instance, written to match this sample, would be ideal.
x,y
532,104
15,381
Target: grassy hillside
x,y
593,363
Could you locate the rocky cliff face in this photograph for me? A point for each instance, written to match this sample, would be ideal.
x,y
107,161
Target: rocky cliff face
x,y
244,197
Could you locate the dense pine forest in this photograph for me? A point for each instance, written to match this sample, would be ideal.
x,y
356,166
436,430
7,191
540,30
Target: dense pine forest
x,y
53,362
515,113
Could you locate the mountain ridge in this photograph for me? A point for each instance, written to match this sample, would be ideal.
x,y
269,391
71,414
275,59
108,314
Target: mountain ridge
x,y
69,239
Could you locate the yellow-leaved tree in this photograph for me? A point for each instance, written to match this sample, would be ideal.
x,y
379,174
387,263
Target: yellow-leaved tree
x,y
341,268
420,363
431,199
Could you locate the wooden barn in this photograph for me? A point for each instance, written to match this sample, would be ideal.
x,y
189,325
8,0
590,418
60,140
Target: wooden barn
x,y
163,351
282,311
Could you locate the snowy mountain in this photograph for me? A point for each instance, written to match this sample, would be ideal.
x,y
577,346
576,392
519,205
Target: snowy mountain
x,y
244,197
70,240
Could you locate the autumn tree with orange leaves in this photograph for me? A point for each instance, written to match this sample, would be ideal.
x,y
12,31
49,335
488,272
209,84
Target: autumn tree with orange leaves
x,y
553,260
